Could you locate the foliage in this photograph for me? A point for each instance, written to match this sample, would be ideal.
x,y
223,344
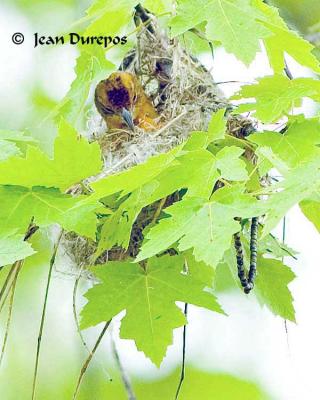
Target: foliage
x,y
198,228
239,25
9,141
68,167
13,248
148,296
287,92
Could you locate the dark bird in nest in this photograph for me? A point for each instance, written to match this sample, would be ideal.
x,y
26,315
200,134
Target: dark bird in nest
x,y
120,99
122,102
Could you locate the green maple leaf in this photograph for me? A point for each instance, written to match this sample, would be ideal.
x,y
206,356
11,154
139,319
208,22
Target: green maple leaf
x,y
196,141
159,177
170,230
297,145
271,245
298,185
216,130
194,171
117,16
286,41
239,25
189,167
15,136
8,143
277,95
233,23
117,229
207,227
14,248
175,169
230,165
74,160
91,66
107,13
217,126
127,181
311,209
272,289
8,149
47,206
159,6
271,283
226,273
198,270
296,155
211,229
149,297
283,40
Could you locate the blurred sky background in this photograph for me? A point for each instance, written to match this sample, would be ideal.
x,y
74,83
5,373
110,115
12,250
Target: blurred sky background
x,y
250,344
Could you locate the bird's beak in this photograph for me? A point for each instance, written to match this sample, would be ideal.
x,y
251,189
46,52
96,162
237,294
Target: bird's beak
x,y
127,118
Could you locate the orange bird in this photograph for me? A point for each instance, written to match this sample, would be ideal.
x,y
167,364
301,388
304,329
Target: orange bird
x,y
122,102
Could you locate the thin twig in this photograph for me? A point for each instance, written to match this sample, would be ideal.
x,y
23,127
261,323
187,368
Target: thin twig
x,y
239,82
87,361
7,280
283,248
52,261
287,70
75,315
124,376
32,229
242,141
170,123
5,297
107,172
158,210
74,309
9,315
284,223
202,36
183,365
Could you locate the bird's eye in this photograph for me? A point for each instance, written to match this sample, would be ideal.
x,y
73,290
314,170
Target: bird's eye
x,y
106,110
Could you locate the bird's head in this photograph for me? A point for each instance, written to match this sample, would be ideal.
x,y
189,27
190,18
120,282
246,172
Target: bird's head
x,y
117,95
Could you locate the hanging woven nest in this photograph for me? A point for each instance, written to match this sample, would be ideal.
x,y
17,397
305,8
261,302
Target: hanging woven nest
x,y
184,96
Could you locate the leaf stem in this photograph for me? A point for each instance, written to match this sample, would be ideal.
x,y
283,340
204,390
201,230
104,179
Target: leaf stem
x,y
52,261
158,210
183,365
9,314
17,265
75,315
242,141
89,358
123,373
6,282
